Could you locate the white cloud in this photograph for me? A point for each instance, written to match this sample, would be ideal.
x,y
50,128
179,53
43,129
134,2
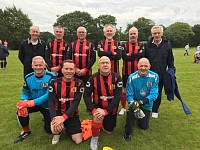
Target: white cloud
x,y
44,13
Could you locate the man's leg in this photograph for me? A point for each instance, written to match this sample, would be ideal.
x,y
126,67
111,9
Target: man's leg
x,y
157,102
144,122
130,121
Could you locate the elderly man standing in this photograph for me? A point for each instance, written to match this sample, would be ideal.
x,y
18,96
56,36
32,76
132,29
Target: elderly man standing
x,y
105,87
133,51
57,51
110,48
30,48
159,52
82,53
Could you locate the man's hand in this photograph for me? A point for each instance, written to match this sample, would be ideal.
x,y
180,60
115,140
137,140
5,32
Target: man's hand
x,y
82,72
57,124
139,113
55,69
23,112
24,104
99,113
21,104
133,106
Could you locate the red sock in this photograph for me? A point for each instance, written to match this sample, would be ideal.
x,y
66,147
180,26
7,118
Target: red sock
x,y
123,100
96,128
26,129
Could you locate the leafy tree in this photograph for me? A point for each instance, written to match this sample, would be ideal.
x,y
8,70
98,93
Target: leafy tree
x,y
179,34
46,36
16,26
72,21
144,28
196,39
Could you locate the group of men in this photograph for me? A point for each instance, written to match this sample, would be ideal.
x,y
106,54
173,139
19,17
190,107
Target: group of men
x,y
71,77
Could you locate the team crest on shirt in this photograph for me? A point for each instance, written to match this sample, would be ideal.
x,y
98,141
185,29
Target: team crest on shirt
x,y
74,89
113,47
112,87
87,47
149,84
143,92
138,47
45,84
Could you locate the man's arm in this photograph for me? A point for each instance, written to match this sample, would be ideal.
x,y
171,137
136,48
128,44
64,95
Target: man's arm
x,y
48,55
89,89
21,53
117,96
92,57
51,100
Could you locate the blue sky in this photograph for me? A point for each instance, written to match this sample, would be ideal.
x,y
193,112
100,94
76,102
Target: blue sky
x,y
44,12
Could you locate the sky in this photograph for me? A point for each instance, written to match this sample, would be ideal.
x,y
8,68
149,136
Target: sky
x,y
44,13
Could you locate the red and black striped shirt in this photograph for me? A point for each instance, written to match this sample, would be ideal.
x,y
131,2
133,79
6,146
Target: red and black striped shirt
x,y
56,53
131,54
83,54
64,97
106,91
108,50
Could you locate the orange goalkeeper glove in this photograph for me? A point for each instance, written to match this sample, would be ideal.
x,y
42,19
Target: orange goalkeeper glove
x,y
23,112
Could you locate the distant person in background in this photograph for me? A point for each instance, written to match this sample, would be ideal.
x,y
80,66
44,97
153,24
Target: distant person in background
x,y
34,97
56,52
3,54
197,55
187,47
30,48
82,53
5,43
131,53
158,51
110,48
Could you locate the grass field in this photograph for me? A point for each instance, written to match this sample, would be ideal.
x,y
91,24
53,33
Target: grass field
x,y
173,130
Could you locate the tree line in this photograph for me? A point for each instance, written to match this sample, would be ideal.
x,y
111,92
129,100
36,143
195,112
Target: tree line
x,y
14,27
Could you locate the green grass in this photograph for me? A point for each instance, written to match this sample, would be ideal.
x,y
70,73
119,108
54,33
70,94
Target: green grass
x,y
173,130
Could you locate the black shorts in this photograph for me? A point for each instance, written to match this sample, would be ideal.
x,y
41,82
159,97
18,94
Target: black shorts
x,y
73,125
109,122
124,79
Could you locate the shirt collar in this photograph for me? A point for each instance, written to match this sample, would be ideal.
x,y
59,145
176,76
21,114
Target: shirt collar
x,y
158,43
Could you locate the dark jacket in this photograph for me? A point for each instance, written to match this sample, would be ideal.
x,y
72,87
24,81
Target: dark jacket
x,y
3,52
160,56
27,51
171,89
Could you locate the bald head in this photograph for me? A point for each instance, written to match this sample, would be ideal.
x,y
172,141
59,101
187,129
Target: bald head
x,y
143,66
104,65
133,34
